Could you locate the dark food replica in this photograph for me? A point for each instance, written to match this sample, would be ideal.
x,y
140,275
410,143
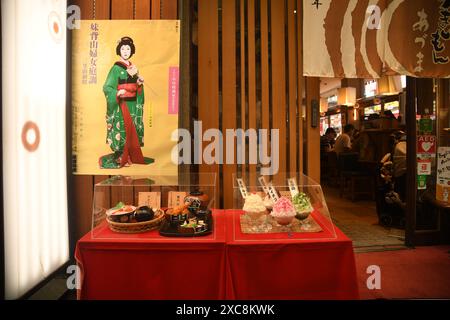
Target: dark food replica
x,y
130,214
189,219
192,218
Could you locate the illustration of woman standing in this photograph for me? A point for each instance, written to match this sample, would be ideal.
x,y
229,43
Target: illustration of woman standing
x,y
124,94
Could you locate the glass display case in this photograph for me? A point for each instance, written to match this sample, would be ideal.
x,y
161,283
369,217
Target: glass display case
x,y
133,206
281,207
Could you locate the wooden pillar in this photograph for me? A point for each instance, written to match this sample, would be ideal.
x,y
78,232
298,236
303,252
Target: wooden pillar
x,y
184,120
312,134
229,92
279,83
411,179
300,86
208,78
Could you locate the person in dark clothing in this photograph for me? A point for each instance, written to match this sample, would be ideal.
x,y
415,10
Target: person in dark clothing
x,y
327,140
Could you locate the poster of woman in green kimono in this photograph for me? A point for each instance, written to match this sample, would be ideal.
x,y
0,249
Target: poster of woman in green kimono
x,y
124,92
125,97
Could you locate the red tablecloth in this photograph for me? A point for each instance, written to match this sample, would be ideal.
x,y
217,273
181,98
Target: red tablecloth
x,y
225,265
149,266
303,266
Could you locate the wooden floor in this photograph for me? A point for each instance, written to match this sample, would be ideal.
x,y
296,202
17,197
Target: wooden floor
x,y
359,221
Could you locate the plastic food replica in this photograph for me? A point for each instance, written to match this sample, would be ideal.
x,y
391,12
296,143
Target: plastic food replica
x,y
124,218
254,205
283,211
192,218
302,205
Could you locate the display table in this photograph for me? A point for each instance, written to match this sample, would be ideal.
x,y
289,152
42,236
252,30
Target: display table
x,y
149,266
299,266
225,265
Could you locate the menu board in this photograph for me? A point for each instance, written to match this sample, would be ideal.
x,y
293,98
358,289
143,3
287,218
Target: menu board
x,y
443,174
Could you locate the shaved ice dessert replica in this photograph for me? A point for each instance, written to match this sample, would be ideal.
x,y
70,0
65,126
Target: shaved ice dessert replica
x,y
254,206
302,205
283,211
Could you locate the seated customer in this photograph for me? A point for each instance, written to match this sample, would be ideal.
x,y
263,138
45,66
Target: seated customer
x,y
327,140
344,141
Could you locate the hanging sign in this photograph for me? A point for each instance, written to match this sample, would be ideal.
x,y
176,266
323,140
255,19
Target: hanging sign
x,y
424,167
426,145
421,182
425,125
443,174
369,39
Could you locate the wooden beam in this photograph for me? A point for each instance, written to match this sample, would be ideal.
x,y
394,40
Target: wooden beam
x,y
279,83
169,9
122,9
243,84
251,86
143,9
411,161
185,115
292,50
265,72
156,9
312,134
300,82
229,92
265,102
208,77
91,12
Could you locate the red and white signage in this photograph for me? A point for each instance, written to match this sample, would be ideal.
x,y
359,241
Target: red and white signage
x,y
424,167
426,145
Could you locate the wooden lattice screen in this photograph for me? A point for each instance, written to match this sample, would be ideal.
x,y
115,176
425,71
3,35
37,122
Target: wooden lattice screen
x,y
248,77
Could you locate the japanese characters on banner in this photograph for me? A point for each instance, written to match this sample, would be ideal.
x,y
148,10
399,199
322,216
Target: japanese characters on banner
x,y
369,38
125,93
443,174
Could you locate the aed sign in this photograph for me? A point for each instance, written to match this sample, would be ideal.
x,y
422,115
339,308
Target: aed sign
x,y
426,145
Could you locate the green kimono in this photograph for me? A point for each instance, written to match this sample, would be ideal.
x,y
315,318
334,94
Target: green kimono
x,y
124,119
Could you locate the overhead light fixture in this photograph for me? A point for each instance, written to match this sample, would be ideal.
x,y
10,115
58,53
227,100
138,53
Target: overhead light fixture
x,y
389,85
347,96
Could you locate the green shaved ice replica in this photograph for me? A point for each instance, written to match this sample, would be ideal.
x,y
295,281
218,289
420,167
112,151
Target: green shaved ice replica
x,y
302,205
